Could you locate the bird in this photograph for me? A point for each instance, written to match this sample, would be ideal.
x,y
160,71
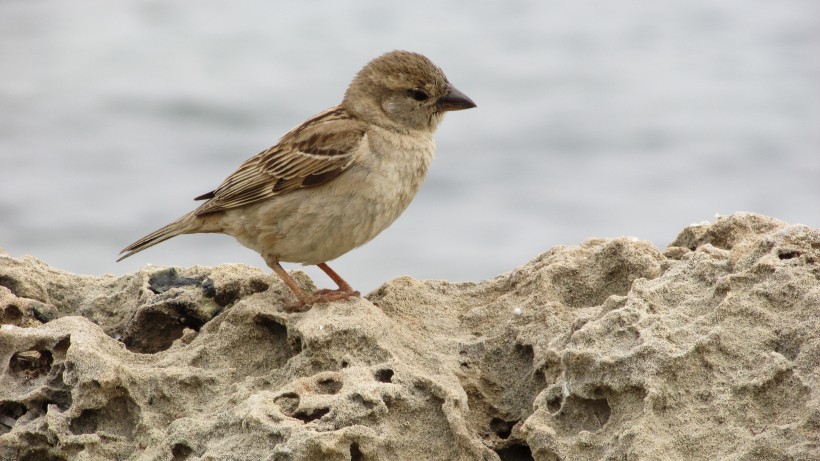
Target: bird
x,y
334,182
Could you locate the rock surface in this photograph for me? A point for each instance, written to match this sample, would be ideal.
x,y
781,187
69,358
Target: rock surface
x,y
709,349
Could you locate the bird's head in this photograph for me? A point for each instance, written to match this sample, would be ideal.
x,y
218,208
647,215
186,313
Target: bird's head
x,y
403,91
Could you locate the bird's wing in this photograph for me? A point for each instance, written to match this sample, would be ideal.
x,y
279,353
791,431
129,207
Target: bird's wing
x,y
309,155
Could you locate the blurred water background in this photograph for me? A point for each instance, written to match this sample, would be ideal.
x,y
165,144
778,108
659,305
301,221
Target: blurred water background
x,y
594,119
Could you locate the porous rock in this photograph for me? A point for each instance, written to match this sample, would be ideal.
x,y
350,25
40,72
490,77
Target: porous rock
x,y
613,349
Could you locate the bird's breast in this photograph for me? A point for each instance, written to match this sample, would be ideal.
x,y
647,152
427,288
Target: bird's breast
x,y
319,224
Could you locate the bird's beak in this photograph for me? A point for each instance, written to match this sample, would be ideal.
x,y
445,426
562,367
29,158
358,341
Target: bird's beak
x,y
454,100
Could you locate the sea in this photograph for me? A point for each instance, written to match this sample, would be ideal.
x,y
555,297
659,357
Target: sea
x,y
595,119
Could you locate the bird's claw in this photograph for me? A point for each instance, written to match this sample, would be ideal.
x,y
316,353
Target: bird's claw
x,y
320,297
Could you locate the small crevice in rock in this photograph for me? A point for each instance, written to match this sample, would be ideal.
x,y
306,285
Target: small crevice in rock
x,y
10,283
12,315
271,330
384,375
55,392
579,413
154,329
526,352
40,455
788,254
180,452
31,364
554,404
502,428
288,403
311,415
10,412
358,398
118,417
328,386
62,346
60,398
515,452
295,343
356,453
273,326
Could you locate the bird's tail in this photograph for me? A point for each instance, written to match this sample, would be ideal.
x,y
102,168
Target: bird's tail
x,y
182,225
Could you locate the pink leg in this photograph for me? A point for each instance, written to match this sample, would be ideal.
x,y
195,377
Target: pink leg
x,y
345,291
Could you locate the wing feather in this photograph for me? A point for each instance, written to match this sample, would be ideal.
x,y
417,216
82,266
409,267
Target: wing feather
x,y
309,155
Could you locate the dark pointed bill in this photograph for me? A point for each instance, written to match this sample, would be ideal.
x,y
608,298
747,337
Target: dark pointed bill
x,y
454,100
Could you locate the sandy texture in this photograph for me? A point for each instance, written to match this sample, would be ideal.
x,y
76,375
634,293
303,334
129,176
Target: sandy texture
x,y
709,349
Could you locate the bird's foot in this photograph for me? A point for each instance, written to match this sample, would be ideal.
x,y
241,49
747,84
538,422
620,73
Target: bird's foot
x,y
326,295
320,297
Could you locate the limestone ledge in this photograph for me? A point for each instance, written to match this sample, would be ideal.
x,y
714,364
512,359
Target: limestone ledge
x,y
612,349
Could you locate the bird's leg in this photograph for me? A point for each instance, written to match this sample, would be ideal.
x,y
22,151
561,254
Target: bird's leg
x,y
302,298
345,290
321,296
339,281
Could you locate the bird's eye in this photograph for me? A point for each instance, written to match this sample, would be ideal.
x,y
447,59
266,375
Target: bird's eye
x,y
419,95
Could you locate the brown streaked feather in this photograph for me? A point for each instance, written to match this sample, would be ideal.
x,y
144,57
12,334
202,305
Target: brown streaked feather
x,y
309,155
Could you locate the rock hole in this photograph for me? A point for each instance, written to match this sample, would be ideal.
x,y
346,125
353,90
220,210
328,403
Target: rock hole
x,y
119,417
357,398
311,415
295,343
56,392
516,452
258,286
165,330
227,294
502,428
601,409
539,376
384,375
12,315
271,325
526,352
280,347
345,364
788,254
62,347
30,364
554,404
11,284
579,414
288,403
231,292
356,452
86,423
41,455
181,452
62,399
328,386
10,412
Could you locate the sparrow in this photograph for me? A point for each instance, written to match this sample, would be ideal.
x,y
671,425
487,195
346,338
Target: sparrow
x,y
337,180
